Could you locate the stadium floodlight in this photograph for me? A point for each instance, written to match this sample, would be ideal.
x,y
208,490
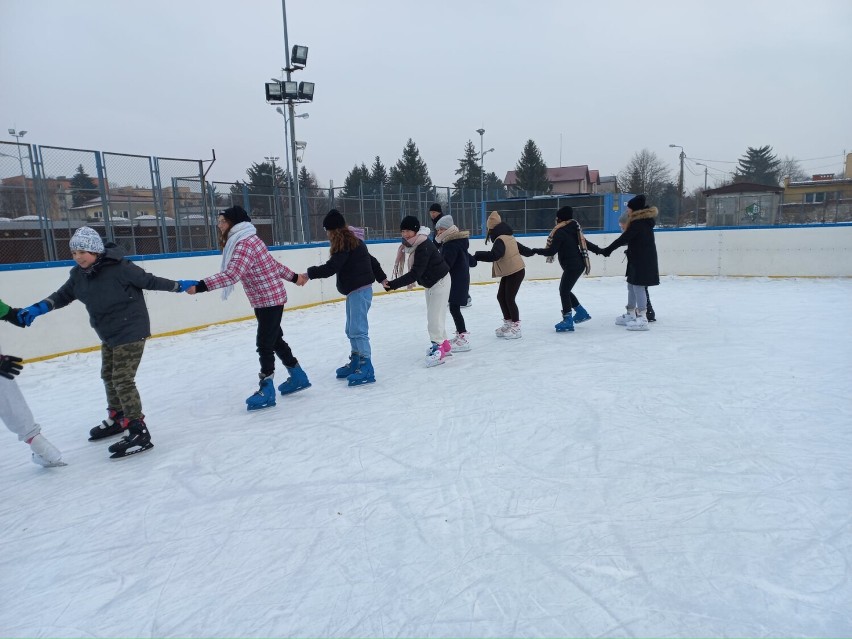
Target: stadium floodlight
x,y
290,90
306,91
273,92
299,57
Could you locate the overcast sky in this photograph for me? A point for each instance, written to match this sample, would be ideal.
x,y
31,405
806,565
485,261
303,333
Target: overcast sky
x,y
590,82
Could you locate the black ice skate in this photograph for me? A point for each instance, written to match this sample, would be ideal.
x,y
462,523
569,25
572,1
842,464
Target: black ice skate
x,y
113,425
138,440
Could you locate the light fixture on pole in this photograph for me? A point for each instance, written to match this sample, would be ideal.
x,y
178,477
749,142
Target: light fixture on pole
x,y
482,165
289,92
679,180
18,135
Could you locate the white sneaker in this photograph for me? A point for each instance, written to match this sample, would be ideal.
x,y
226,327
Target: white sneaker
x,y
514,331
461,343
623,320
44,453
501,331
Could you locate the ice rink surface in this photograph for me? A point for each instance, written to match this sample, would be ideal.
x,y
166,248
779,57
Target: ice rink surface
x,y
692,480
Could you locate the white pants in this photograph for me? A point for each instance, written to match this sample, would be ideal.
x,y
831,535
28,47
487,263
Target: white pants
x,y
14,411
437,299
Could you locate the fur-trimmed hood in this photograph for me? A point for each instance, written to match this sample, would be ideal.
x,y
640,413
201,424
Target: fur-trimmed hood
x,y
643,214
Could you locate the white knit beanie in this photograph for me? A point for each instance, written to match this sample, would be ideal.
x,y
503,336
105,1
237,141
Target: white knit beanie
x,y
87,239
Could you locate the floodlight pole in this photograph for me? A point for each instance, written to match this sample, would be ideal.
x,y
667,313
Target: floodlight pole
x,y
291,110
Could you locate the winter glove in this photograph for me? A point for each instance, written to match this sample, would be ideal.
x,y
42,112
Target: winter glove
x,y
10,366
606,252
185,284
12,317
201,287
28,314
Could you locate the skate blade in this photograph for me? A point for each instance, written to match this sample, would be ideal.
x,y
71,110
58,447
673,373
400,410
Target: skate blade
x,y
253,409
363,381
130,453
41,461
301,388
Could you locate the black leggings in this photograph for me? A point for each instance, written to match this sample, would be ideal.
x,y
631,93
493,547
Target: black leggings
x,y
506,293
458,318
270,339
569,278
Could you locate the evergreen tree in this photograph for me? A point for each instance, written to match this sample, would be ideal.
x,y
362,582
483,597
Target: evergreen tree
x,y
308,182
261,179
378,173
494,187
469,170
759,166
83,187
531,171
352,184
410,170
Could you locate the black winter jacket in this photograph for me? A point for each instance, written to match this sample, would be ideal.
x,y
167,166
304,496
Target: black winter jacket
x,y
455,255
111,291
354,269
566,246
638,237
427,269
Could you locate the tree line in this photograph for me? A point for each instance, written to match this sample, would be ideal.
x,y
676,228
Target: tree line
x,y
645,172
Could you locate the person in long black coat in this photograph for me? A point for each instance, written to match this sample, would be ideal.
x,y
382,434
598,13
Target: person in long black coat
x,y
642,267
453,245
566,243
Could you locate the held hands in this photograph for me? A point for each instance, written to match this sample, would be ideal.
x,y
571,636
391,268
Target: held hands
x,y
10,366
386,285
184,286
28,314
303,279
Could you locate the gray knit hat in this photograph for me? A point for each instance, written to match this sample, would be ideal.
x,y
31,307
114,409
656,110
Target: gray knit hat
x,y
86,239
445,222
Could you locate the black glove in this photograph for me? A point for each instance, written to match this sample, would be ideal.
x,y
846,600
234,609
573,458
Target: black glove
x,y
12,317
201,287
606,252
10,366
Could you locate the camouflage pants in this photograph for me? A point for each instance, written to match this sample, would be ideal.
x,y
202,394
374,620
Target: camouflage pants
x,y
118,370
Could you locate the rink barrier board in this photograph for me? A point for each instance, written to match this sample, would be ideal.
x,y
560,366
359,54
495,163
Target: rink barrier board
x,y
802,251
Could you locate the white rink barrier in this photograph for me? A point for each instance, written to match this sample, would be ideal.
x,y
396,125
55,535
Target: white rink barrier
x,y
804,251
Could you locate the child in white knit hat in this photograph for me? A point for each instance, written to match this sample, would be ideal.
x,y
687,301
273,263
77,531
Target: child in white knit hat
x,y
111,288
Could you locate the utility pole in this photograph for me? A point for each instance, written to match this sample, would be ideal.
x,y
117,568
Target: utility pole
x,y
679,181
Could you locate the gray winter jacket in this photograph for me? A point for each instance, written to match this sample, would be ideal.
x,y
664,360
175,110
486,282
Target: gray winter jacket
x,y
111,291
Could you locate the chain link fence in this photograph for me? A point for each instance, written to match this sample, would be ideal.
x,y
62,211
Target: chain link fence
x,y
154,205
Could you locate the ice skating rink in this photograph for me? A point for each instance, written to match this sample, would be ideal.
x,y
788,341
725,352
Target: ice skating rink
x,y
692,480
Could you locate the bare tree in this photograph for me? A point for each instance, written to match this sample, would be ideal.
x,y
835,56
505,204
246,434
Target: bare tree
x,y
645,173
790,167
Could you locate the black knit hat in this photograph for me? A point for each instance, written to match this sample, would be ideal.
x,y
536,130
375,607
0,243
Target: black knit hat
x,y
235,215
333,220
409,223
637,203
565,213
435,207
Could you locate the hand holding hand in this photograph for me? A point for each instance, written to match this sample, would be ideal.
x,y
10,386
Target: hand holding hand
x,y
10,366
606,252
185,285
303,279
386,285
28,314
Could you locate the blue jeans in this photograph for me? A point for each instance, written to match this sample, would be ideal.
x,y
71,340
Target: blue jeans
x,y
357,329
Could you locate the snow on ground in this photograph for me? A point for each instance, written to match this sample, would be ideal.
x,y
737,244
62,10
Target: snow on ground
x,y
694,480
